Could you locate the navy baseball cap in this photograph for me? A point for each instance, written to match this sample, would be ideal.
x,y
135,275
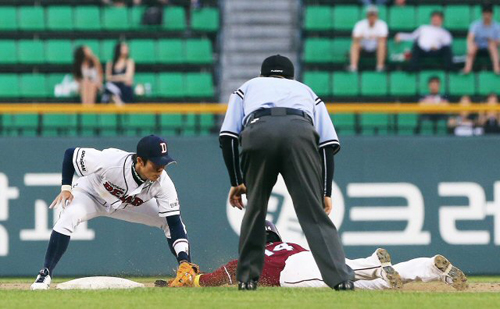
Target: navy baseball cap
x,y
277,65
154,148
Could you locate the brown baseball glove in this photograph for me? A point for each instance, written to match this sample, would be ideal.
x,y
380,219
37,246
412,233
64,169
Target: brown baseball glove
x,y
185,275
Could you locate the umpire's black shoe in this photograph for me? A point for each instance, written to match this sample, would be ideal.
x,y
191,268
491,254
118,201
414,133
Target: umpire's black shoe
x,y
345,286
250,285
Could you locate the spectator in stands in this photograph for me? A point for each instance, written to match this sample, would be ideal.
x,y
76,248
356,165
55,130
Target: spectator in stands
x,y
119,76
87,71
431,41
490,121
369,38
434,98
383,2
483,40
464,124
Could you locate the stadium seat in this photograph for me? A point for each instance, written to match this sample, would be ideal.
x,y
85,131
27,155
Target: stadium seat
x,y
8,18
148,80
60,18
87,18
143,51
9,85
52,81
373,84
428,127
318,18
424,13
33,86
375,124
21,124
382,13
171,51
170,85
457,17
59,52
205,19
488,82
136,14
318,50
198,51
402,18
199,85
59,125
31,18
99,124
459,47
138,124
402,84
207,123
320,82
407,124
8,51
174,18
345,84
115,18
31,51
94,45
107,48
170,124
345,16
460,84
190,126
423,80
340,50
345,124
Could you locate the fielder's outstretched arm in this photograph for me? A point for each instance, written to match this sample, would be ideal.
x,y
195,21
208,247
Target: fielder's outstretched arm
x,y
178,241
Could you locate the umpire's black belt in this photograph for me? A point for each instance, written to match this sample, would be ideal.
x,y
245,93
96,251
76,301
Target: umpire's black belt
x,y
277,111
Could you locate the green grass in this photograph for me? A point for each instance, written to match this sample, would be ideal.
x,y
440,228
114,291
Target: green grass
x,y
229,297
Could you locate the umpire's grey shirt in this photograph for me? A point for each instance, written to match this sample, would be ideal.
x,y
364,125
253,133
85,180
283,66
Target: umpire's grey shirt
x,y
268,92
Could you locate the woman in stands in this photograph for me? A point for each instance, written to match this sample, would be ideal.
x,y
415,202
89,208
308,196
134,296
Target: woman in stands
x,y
120,77
87,71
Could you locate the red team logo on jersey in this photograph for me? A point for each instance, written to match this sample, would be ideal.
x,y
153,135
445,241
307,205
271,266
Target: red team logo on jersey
x,y
127,199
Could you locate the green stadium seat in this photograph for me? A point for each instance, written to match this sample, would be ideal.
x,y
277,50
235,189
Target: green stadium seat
x,y
31,18
345,16
318,50
190,125
318,18
457,17
8,51
320,82
199,85
52,81
402,84
428,127
375,124
205,19
171,51
488,82
59,125
402,18
345,124
21,124
397,51
31,51
143,51
174,18
345,84
148,80
8,18
340,50
60,18
460,84
87,18
423,80
136,14
459,47
407,124
59,52
198,51
9,85
207,123
33,86
115,18
89,125
424,13
139,124
171,124
94,45
373,84
171,85
108,50
99,124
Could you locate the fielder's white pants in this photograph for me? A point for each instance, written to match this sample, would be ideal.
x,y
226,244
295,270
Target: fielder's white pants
x,y
84,208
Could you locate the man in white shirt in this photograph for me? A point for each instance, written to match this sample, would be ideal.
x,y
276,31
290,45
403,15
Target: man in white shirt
x,y
369,38
430,41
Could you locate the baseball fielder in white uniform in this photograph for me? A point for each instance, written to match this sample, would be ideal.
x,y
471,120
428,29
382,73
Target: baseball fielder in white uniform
x,y
117,184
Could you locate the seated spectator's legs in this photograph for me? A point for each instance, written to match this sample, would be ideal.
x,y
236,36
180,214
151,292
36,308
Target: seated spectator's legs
x,y
416,54
447,57
381,53
471,56
493,49
88,91
355,51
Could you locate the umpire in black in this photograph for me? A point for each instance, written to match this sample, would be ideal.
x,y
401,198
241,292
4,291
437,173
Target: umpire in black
x,y
282,128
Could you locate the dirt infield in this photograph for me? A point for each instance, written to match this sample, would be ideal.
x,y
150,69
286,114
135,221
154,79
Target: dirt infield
x,y
410,287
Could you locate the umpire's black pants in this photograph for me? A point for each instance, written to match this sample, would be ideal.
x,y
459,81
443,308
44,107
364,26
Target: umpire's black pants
x,y
286,145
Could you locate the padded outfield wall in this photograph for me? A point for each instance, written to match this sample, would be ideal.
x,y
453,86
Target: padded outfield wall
x,y
415,196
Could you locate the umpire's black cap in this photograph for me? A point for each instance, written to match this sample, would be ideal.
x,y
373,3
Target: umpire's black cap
x,y
277,65
154,148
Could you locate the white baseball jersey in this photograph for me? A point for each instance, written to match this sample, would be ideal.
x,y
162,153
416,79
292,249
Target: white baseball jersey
x,y
108,177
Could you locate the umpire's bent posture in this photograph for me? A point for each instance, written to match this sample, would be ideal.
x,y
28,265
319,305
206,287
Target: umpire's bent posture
x,y
283,128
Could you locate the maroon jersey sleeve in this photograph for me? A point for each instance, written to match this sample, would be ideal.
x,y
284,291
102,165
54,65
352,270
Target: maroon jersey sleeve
x,y
224,275
276,255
